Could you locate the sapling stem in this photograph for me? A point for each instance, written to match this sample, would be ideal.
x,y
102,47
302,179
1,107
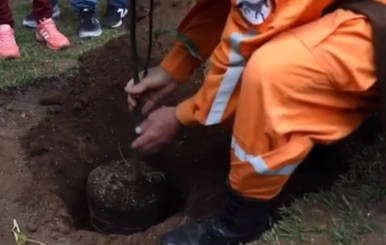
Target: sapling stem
x,y
135,171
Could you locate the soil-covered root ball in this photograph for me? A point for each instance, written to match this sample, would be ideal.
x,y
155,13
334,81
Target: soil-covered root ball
x,y
120,206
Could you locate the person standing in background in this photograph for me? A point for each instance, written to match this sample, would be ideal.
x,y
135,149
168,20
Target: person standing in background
x,y
88,23
46,31
29,20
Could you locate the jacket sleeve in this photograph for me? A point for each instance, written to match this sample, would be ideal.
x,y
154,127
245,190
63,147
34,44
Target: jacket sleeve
x,y
203,25
216,100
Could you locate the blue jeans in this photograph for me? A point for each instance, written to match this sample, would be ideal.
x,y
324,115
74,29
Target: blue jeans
x,y
82,4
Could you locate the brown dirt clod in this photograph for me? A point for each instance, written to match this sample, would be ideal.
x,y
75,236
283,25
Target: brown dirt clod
x,y
51,97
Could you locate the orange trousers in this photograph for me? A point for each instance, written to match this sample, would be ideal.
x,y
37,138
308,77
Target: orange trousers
x,y
308,85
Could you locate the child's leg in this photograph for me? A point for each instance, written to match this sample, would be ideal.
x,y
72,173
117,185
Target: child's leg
x,y
119,3
88,26
8,46
31,22
307,85
80,5
46,30
5,13
42,9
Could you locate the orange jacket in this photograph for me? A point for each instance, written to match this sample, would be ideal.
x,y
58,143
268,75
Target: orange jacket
x,y
232,30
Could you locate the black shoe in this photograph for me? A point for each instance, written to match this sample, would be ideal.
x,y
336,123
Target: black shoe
x,y
29,20
241,220
114,16
89,24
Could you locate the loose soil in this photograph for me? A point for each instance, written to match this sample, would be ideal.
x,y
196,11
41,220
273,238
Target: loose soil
x,y
121,203
53,136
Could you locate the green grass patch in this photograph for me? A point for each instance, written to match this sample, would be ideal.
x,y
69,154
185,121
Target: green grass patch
x,y
38,61
353,212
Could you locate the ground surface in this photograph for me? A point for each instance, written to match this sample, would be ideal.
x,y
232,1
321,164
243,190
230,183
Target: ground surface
x,y
36,59
46,153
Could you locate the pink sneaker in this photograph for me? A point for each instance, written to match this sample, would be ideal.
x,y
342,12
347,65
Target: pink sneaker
x,y
8,46
47,33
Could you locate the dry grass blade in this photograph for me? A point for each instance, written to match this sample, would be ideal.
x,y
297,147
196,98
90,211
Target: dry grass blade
x,y
20,237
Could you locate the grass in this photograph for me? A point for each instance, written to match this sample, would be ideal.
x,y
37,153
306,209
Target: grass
x,y
351,213
37,60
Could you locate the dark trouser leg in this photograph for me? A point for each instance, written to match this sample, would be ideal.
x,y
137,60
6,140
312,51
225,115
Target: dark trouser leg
x,y
42,9
119,3
5,13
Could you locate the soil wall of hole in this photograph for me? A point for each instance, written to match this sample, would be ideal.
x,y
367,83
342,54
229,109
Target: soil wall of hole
x,y
88,124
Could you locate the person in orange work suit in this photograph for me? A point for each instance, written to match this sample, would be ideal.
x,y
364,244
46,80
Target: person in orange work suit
x,y
290,76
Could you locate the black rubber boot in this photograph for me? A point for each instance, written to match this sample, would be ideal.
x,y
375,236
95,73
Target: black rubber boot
x,y
240,220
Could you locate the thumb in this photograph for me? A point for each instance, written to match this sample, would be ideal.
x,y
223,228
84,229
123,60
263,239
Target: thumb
x,y
142,131
139,88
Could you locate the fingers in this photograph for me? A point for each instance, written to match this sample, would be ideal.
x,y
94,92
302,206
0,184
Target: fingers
x,y
137,89
148,101
148,105
133,92
129,85
145,141
149,137
132,102
133,89
157,130
153,98
145,136
154,87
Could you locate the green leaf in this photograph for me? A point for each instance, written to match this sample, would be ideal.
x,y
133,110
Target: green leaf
x,y
193,50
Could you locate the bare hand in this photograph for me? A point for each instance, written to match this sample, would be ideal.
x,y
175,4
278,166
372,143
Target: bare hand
x,y
156,85
159,129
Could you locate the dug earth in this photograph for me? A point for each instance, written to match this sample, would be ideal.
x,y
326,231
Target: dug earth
x,y
54,135
88,125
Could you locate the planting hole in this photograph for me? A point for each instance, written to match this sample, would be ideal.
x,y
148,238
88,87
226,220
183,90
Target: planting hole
x,y
88,125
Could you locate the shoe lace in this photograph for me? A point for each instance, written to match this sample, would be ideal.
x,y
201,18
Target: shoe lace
x,y
50,27
6,37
